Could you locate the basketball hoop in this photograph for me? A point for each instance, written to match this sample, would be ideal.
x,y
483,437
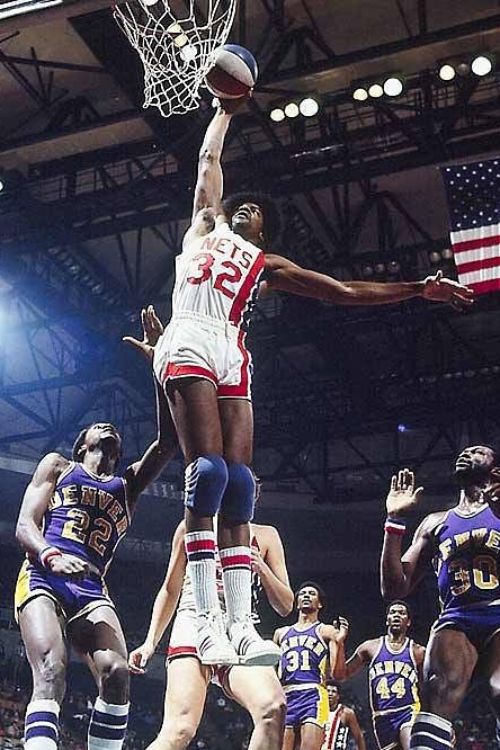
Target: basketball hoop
x,y
177,47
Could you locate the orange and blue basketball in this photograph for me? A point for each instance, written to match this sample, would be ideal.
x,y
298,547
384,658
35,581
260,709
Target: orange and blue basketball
x,y
235,72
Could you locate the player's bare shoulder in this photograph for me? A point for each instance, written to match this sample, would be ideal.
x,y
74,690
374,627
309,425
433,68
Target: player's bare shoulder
x,y
266,535
50,468
430,523
369,649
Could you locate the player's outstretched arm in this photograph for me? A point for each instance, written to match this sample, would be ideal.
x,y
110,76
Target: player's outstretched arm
x,y
162,450
30,520
360,658
164,604
272,570
400,573
285,276
210,183
353,724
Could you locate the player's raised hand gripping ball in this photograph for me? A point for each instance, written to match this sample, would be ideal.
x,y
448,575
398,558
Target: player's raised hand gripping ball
x,y
234,74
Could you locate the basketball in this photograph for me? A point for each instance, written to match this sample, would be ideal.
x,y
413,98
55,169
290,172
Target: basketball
x,y
235,72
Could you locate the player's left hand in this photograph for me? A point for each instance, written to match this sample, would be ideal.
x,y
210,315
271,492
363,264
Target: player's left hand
x,y
341,626
152,329
438,289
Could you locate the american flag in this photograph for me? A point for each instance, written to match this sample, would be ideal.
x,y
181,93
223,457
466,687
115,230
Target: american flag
x,y
473,192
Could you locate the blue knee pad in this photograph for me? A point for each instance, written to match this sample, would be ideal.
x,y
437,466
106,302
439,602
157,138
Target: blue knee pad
x,y
239,498
204,485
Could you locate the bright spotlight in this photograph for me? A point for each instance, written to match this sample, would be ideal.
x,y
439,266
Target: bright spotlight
x,y
447,254
434,257
309,107
393,86
292,110
376,91
2,185
447,72
360,94
277,115
481,65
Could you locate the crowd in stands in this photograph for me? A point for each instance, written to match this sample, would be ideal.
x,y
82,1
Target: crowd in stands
x,y
225,725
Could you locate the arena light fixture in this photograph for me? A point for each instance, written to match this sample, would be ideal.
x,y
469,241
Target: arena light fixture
x,y
309,107
2,184
434,257
447,254
447,72
360,94
376,91
393,86
482,65
380,268
277,114
292,110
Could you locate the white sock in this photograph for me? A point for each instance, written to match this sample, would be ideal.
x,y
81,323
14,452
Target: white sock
x,y
200,551
108,725
41,728
237,576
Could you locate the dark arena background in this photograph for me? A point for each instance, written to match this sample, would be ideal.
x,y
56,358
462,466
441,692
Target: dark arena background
x,y
95,196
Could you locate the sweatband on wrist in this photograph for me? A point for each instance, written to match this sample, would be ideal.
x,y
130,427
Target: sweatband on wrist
x,y
394,526
47,553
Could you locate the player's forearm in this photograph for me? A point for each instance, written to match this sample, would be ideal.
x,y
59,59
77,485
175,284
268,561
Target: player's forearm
x,y
374,293
359,740
213,142
30,536
393,581
279,594
339,668
161,616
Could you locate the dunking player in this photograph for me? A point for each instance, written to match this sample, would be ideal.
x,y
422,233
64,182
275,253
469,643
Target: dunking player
x,y
203,362
464,544
255,688
342,722
73,515
309,652
394,664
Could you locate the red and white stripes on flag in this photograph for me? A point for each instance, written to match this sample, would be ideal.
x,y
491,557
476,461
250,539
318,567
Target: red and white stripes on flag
x,y
473,193
477,257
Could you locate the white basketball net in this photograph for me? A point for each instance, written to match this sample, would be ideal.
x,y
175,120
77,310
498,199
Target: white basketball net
x,y
176,45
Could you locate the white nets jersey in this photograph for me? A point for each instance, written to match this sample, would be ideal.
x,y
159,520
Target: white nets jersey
x,y
336,733
218,276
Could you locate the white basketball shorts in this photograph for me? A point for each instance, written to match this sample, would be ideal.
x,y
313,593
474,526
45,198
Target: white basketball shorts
x,y
193,345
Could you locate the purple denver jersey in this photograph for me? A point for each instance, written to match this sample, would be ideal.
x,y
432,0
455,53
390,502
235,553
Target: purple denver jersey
x,y
87,516
466,561
304,656
393,677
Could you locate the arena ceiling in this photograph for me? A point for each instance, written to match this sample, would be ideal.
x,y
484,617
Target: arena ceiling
x,y
96,196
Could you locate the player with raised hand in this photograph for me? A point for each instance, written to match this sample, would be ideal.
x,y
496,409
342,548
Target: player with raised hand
x,y
394,663
73,515
256,688
309,650
203,363
463,543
